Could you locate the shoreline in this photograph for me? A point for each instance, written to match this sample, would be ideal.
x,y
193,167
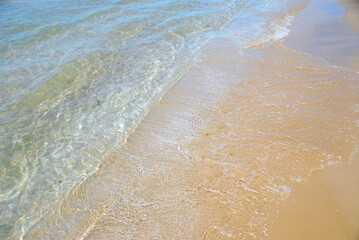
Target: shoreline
x,y
327,29
351,17
221,151
325,205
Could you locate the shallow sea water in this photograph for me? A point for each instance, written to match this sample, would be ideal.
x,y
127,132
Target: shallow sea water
x,y
76,78
243,118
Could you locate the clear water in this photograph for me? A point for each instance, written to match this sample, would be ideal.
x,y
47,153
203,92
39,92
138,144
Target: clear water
x,y
76,77
225,145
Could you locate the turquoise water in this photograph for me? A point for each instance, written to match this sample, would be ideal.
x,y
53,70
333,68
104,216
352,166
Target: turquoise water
x,y
76,78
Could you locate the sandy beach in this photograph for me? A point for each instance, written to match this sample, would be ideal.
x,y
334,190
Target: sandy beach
x,y
325,206
328,30
255,141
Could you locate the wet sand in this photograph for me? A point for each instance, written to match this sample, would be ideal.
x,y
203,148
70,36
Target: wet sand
x,y
326,205
274,130
329,31
224,149
351,17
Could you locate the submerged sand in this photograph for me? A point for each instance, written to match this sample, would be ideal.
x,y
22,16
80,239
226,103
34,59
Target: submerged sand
x,y
222,156
326,205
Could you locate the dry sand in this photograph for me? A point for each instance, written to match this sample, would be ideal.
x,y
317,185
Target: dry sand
x,y
218,157
326,206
